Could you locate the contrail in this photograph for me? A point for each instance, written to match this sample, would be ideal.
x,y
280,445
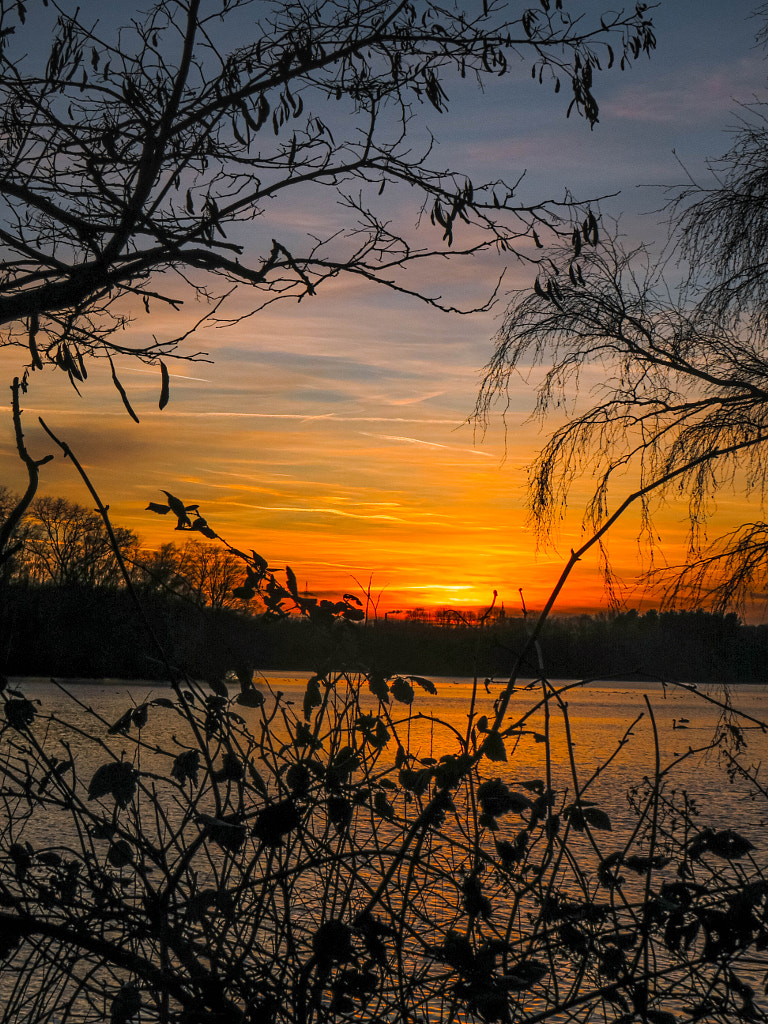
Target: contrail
x,y
428,444
180,376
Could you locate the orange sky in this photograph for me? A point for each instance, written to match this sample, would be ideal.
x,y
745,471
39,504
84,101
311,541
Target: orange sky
x,y
346,457
333,435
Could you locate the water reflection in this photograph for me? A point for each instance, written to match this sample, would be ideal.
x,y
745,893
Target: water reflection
x,y
598,716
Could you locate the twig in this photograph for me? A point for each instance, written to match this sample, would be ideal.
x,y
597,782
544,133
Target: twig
x,y
33,475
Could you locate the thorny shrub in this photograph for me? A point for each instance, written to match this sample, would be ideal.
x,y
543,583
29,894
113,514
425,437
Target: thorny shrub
x,y
222,854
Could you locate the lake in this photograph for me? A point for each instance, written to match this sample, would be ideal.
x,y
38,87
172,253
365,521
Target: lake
x,y
599,715
601,742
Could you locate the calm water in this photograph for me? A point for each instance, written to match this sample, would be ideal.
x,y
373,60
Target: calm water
x,y
608,721
599,716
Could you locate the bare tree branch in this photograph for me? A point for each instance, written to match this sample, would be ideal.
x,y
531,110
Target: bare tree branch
x,y
143,162
665,381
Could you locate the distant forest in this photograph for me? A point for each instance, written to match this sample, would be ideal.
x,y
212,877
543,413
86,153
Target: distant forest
x,y
80,631
65,612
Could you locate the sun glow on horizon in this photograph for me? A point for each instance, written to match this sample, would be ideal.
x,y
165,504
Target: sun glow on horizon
x,y
418,525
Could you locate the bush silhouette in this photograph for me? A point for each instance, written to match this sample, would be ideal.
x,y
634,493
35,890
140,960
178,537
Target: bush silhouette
x,y
220,853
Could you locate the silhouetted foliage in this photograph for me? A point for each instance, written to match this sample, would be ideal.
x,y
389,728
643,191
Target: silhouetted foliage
x,y
679,403
153,158
223,854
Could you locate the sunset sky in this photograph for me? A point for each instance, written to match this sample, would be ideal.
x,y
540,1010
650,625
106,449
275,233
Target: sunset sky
x,y
334,436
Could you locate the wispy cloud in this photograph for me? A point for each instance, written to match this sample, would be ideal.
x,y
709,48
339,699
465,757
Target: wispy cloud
x,y
299,417
439,586
407,440
707,92
410,399
302,510
426,444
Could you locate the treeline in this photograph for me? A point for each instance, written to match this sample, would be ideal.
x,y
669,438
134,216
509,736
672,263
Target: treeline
x,y
60,543
95,632
64,611
64,608
694,646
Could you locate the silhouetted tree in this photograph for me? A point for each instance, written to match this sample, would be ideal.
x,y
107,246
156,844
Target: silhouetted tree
x,y
68,546
159,570
205,573
12,566
166,156
681,395
212,574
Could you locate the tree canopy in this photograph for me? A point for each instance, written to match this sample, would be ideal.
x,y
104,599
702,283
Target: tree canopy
x,y
680,344
165,158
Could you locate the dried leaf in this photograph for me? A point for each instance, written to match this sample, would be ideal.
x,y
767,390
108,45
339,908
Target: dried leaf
x,y
597,818
186,766
312,697
116,779
19,714
401,690
121,392
165,385
120,854
125,1005
425,684
493,747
